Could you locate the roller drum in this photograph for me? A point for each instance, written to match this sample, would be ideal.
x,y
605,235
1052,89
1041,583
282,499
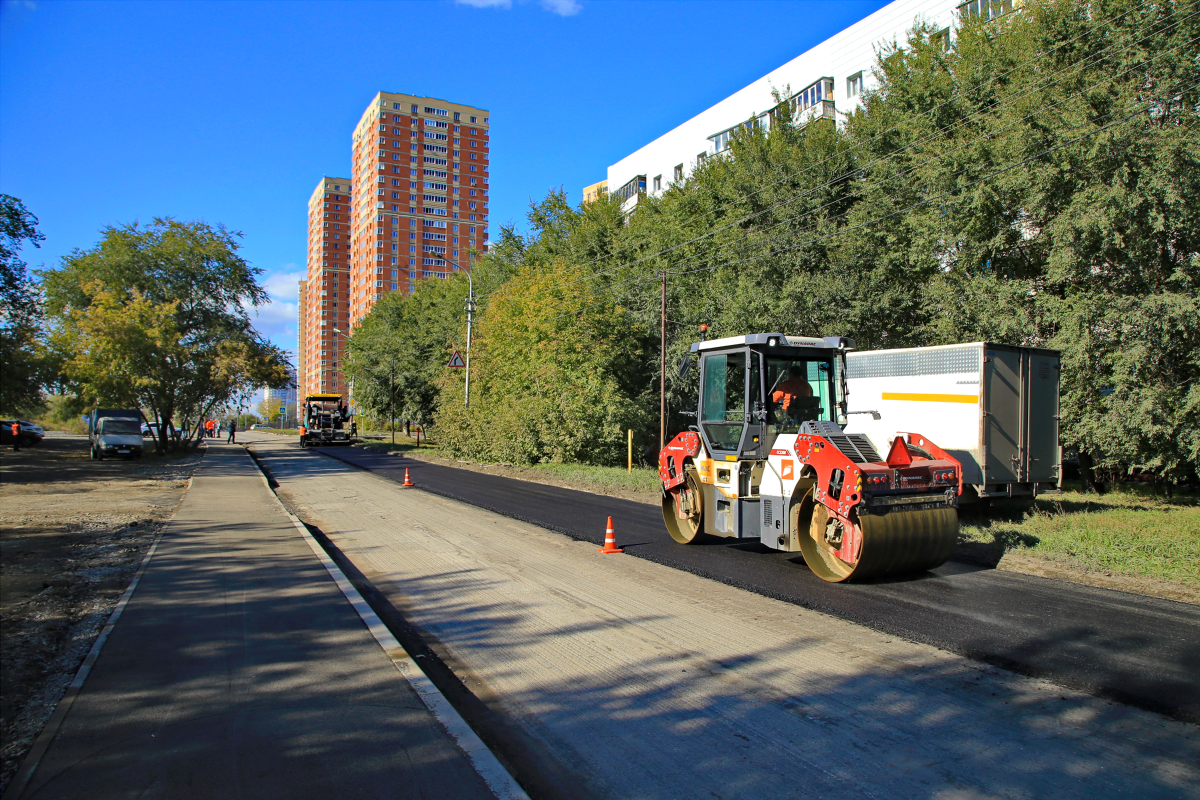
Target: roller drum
x,y
895,543
687,497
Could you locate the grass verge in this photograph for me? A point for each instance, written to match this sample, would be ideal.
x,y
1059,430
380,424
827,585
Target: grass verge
x,y
1129,531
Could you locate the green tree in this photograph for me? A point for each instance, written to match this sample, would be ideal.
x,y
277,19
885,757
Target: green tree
x,y
1061,147
268,411
20,311
399,352
551,378
165,305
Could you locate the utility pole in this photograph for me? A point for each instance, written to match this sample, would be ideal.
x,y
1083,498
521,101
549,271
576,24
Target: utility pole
x,y
470,319
392,395
662,372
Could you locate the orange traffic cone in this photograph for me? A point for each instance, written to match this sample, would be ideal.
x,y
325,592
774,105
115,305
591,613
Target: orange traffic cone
x,y
610,540
407,482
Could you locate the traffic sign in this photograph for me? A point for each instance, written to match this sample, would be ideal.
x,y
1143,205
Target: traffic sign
x,y
283,409
456,361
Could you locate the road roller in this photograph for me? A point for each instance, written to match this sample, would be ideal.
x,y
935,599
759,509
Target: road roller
x,y
769,458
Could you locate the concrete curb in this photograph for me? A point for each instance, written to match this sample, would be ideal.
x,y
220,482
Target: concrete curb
x,y
42,743
497,778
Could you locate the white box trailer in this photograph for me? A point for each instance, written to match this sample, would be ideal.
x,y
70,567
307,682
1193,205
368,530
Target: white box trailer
x,y
994,407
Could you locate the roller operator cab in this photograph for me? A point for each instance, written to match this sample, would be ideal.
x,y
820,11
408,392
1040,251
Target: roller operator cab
x,y
768,459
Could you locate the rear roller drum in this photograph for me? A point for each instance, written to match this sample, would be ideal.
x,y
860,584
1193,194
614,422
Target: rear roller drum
x,y
895,543
683,508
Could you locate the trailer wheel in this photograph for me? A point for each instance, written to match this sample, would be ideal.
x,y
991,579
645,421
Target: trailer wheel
x,y
683,508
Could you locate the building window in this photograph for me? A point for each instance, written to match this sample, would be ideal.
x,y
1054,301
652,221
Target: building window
x,y
941,39
854,85
635,186
987,9
657,184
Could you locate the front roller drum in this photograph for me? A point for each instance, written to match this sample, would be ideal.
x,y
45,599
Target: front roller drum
x,y
683,508
895,543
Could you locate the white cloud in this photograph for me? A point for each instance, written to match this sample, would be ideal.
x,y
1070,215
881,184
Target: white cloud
x,y
564,8
276,319
282,284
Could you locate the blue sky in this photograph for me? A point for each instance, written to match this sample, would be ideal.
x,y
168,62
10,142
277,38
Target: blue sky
x,y
232,111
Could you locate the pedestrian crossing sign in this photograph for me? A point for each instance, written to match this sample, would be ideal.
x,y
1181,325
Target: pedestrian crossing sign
x,y
456,360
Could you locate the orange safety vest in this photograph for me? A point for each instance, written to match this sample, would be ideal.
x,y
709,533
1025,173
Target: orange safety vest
x,y
209,425
790,390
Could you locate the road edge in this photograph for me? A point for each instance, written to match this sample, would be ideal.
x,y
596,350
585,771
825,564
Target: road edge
x,y
485,762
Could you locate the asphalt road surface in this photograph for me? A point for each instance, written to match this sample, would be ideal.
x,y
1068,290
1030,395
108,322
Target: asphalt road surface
x,y
1138,650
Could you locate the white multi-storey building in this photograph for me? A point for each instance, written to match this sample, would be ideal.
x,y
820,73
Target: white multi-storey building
x,y
826,81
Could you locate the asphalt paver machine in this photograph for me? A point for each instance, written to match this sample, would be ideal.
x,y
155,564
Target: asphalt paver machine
x,y
768,459
326,420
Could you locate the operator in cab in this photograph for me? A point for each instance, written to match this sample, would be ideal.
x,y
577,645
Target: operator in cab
x,y
786,394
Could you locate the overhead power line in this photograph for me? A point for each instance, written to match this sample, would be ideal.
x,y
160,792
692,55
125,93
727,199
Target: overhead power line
x,y
655,277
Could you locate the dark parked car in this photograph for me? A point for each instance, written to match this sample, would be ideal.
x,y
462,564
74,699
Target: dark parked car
x,y
30,434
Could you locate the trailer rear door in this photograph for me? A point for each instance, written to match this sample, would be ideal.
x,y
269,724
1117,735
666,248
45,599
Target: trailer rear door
x,y
1042,410
1001,423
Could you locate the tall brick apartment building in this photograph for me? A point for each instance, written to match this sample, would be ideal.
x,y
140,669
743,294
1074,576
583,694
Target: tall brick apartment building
x,y
325,293
415,208
420,183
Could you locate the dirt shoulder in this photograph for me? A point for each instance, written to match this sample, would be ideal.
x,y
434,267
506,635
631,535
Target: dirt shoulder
x,y
72,533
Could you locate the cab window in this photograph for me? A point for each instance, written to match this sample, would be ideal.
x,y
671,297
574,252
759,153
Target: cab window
x,y
723,404
798,390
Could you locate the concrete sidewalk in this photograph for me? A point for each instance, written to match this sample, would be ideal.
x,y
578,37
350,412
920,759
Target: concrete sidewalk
x,y
648,682
239,670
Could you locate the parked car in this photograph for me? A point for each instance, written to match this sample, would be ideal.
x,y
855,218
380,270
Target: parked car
x,y
115,432
30,434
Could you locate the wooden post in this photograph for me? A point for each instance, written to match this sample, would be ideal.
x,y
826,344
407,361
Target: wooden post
x,y
662,372
630,468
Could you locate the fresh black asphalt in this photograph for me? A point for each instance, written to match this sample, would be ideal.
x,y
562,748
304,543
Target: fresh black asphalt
x,y
1138,650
